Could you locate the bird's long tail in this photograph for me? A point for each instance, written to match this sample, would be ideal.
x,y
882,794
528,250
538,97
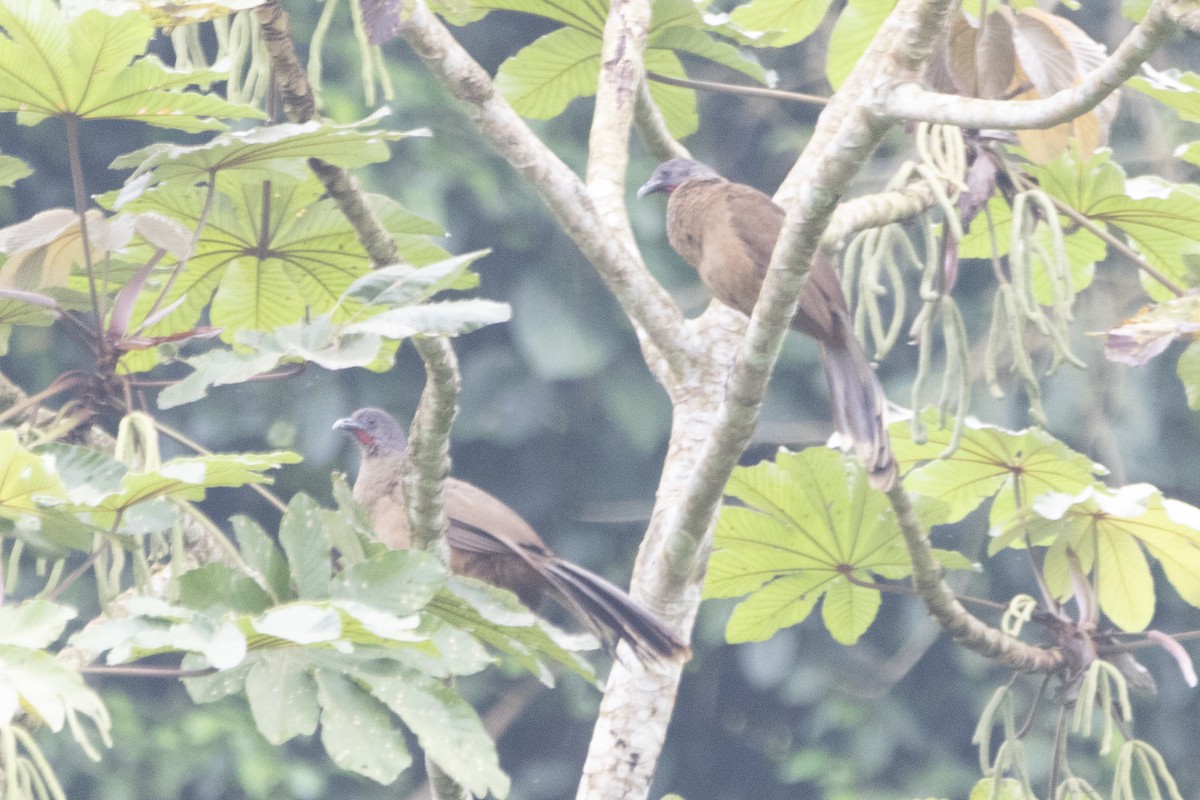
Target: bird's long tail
x,y
859,404
611,614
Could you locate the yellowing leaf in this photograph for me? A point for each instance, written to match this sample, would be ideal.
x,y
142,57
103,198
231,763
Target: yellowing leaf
x,y
1015,467
1140,338
43,249
1110,532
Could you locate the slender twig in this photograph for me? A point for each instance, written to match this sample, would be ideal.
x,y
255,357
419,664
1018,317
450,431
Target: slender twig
x,y
64,382
76,573
748,91
1030,718
1060,750
147,672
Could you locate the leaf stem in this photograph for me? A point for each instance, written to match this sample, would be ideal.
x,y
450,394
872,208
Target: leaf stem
x,y
76,160
201,221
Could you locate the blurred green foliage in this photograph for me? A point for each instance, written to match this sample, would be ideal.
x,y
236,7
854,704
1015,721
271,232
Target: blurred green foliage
x,y
559,418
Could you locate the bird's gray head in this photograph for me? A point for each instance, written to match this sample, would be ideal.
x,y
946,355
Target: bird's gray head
x,y
376,430
671,174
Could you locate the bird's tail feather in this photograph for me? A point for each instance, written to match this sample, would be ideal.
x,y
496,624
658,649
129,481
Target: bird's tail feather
x,y
859,404
611,614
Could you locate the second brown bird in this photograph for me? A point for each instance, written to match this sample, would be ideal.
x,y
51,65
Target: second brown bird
x,y
492,543
727,232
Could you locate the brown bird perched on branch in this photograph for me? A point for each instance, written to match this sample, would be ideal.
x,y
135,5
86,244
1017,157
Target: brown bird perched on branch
x,y
489,541
727,231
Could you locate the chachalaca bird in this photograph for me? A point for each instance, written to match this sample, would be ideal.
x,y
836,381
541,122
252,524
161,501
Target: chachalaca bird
x,y
727,232
491,542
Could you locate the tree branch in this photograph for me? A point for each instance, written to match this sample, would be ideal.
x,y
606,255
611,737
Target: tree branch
x,y
429,449
909,101
967,629
651,309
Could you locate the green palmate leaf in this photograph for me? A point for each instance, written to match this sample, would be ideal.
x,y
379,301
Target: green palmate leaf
x,y
403,284
1014,467
545,76
348,527
318,342
27,481
357,731
400,582
295,270
303,540
1109,532
448,729
784,22
12,170
549,73
56,64
848,609
35,624
185,479
282,694
785,601
88,474
1157,216
1176,89
264,151
856,26
810,528
360,340
682,36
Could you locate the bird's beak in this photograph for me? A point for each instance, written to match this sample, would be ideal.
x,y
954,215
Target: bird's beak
x,y
651,186
345,423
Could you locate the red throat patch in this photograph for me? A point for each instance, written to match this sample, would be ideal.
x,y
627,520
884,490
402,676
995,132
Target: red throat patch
x,y
363,437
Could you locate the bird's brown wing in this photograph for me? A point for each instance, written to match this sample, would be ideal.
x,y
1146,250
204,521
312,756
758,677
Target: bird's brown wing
x,y
491,542
472,507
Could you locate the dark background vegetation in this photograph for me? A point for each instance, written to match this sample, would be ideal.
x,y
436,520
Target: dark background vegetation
x,y
559,418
